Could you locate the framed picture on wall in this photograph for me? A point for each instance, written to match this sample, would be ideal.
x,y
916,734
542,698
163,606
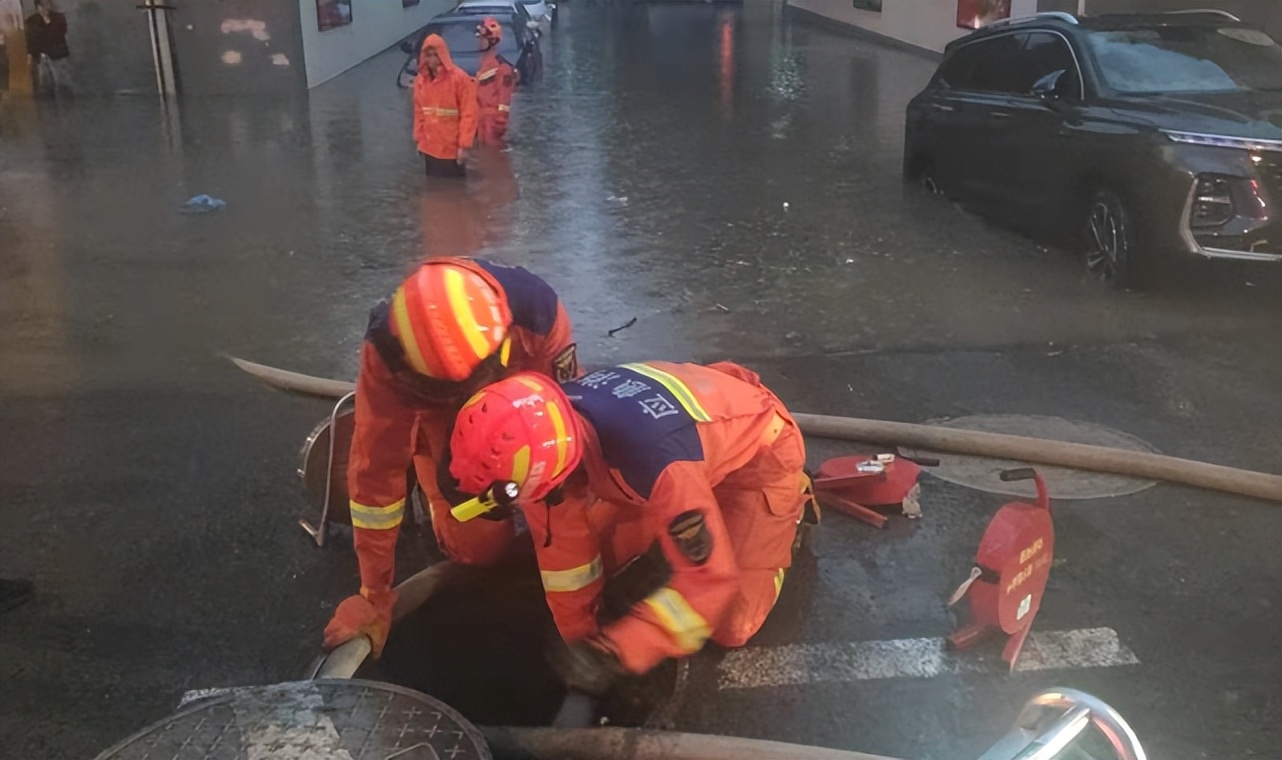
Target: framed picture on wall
x,y
975,14
868,5
331,14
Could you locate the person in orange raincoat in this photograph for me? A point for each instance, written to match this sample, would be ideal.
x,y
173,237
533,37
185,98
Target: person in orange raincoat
x,y
452,326
704,461
496,79
444,110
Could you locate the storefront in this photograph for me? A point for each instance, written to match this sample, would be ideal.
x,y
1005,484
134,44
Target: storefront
x,y
229,47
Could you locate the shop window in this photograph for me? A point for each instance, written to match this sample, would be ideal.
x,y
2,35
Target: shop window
x,y
331,14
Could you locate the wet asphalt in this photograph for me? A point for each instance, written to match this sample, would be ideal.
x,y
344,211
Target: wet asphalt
x,y
730,178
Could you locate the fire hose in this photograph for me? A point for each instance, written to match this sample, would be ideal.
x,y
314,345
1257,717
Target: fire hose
x,y
1078,456
1050,721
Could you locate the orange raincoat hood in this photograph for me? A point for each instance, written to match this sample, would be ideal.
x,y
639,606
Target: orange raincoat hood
x,y
442,50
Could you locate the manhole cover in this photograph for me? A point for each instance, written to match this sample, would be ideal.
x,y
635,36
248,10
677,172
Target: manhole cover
x,y
1063,483
320,720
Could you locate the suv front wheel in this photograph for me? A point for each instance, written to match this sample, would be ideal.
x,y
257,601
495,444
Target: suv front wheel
x,y
1111,240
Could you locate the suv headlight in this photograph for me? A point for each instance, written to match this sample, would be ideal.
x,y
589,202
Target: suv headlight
x,y
1212,201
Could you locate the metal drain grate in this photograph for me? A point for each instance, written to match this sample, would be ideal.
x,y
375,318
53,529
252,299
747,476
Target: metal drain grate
x,y
309,720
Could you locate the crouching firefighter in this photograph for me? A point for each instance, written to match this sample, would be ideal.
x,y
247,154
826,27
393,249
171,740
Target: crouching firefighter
x,y
703,463
452,327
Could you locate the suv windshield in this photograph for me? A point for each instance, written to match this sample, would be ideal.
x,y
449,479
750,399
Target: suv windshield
x,y
1187,59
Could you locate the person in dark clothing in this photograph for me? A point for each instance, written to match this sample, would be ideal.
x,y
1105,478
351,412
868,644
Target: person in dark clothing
x,y
47,46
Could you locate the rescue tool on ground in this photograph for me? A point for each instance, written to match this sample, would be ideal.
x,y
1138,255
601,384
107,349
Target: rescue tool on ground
x,y
1006,584
452,327
853,484
702,461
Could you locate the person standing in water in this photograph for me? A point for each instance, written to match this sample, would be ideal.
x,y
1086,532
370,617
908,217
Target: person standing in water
x,y
444,110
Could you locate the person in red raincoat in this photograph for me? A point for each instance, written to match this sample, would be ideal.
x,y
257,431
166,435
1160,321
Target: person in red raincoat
x,y
496,79
444,110
705,462
453,326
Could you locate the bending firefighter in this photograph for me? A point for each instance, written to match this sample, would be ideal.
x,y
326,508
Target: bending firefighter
x,y
452,327
703,462
495,81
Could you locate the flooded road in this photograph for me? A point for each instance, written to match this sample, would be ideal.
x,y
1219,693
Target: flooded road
x,y
727,176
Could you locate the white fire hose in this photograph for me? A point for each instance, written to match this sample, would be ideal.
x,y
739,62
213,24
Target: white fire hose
x,y
1078,456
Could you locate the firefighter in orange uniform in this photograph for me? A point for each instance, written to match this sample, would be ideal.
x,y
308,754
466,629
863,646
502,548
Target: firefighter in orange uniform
x,y
705,461
444,110
453,326
496,79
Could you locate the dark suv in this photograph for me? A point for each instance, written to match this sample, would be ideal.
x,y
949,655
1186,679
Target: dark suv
x,y
1134,136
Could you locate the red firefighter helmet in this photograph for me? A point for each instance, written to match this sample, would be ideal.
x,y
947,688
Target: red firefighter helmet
x,y
516,440
449,317
489,29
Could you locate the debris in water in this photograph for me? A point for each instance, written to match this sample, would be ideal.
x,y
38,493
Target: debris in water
x,y
620,199
785,205
200,204
625,326
723,308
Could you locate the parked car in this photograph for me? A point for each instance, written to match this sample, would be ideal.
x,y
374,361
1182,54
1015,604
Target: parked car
x,y
520,46
498,9
540,10
1134,136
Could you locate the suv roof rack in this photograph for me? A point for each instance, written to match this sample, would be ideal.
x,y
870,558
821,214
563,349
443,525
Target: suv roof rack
x,y
1210,11
1060,15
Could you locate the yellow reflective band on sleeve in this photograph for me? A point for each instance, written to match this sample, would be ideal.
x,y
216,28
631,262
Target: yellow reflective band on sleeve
x,y
377,518
688,628
562,581
504,107
779,576
487,73
683,394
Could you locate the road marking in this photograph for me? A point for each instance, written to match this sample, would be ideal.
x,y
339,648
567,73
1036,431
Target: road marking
x,y
794,664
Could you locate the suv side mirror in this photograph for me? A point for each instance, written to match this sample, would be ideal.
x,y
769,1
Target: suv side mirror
x,y
407,46
1052,86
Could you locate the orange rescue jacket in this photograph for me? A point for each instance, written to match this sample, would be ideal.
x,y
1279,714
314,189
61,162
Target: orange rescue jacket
x,y
495,82
659,437
444,105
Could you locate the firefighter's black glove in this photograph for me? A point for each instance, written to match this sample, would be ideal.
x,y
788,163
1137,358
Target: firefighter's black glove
x,y
586,667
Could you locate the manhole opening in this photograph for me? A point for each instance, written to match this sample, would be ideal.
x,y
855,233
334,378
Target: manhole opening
x,y
482,648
